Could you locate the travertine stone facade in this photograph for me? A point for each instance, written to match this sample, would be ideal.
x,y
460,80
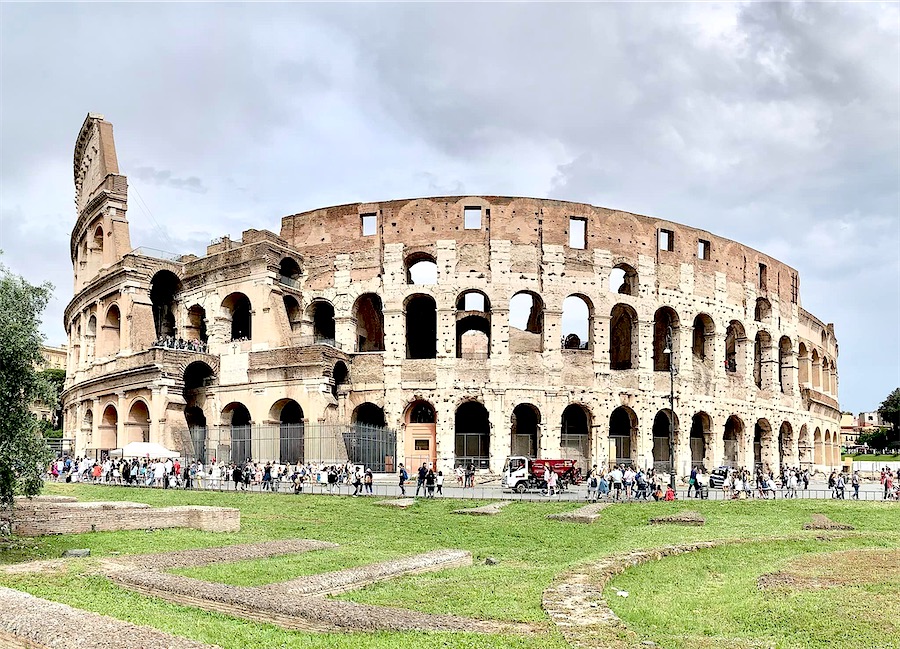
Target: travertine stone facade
x,y
538,327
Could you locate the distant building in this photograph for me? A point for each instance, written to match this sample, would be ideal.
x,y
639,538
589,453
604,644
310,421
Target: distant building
x,y
869,421
54,358
849,432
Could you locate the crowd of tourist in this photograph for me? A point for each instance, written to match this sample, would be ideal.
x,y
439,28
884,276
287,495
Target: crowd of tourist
x,y
170,342
623,482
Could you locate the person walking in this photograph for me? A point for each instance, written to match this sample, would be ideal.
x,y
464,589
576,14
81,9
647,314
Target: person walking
x,y
854,481
420,479
430,481
357,481
368,478
404,476
440,483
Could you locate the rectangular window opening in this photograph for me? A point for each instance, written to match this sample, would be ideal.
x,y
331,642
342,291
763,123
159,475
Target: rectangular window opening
x,y
666,240
369,224
703,248
795,288
762,276
577,233
472,218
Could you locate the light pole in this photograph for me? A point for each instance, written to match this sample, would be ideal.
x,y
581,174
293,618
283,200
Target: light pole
x,y
668,350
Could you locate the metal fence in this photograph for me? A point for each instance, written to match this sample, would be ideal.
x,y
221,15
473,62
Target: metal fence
x,y
61,446
373,446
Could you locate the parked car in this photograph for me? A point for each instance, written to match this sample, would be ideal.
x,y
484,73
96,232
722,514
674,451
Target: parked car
x,y
717,477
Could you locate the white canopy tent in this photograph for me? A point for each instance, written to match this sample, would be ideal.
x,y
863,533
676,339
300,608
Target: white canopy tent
x,y
145,449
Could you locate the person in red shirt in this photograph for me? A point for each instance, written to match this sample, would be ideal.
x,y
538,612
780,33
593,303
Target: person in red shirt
x,y
670,493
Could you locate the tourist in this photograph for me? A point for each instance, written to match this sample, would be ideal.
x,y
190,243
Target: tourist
x,y
404,476
368,479
420,479
470,476
839,485
615,477
854,481
643,489
692,482
459,475
592,484
628,481
551,483
430,480
357,481
670,493
440,483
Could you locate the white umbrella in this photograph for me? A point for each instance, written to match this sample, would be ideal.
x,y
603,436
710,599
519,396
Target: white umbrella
x,y
147,449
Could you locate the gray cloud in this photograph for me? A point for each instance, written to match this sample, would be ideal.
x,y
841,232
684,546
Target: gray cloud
x,y
164,177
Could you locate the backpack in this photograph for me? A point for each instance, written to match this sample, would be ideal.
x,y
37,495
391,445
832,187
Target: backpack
x,y
403,474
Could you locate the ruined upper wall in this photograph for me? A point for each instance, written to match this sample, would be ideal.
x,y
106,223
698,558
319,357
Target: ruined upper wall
x,y
95,158
528,222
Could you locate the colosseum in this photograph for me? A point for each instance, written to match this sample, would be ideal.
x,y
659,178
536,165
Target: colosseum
x,y
444,329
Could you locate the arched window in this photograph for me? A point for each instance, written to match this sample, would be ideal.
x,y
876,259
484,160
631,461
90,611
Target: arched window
x,y
164,289
576,322
472,435
98,240
110,333
763,310
623,335
421,412
369,318
526,323
623,280
421,327
575,436
703,339
762,359
623,436
322,315
473,325
524,431
289,272
665,337
237,306
735,339
421,269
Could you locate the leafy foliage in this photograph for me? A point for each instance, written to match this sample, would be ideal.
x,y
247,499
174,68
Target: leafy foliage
x,y
890,411
56,378
22,451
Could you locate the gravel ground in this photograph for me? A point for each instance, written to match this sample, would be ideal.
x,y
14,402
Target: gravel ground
x,y
42,623
340,581
206,556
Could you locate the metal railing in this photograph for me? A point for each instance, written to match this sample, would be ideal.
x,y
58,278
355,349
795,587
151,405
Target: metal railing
x,y
293,282
155,253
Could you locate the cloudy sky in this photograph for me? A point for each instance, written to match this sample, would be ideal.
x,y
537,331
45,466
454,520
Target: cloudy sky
x,y
777,125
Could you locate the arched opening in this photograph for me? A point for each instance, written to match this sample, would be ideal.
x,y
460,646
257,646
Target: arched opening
x,y
735,339
526,323
198,376
237,307
525,430
421,427
368,414
623,338
575,436
665,320
369,441
196,324
816,370
236,416
818,447
623,436
803,365
109,428
703,339
665,423
369,317
576,322
829,448
785,443
805,448
339,376
98,240
473,325
294,313
164,289
785,369
110,341
137,426
91,336
291,438
322,316
421,327
762,359
87,422
701,440
733,442
472,435
623,280
421,269
763,310
289,272
825,375
763,451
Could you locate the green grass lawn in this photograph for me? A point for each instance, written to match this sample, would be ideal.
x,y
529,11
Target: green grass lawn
x,y
531,552
873,458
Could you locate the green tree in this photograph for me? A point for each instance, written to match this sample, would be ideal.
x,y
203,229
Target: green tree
x,y
22,450
57,379
890,412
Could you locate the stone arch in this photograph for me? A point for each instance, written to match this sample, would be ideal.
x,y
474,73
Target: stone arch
x,y
421,269
818,447
472,435
623,280
829,448
785,365
91,336
321,314
421,326
98,240
733,442
420,420
420,411
826,375
816,370
735,343
785,444
165,286
87,421
236,417
701,440
473,325
197,375
575,435
762,359
289,271
526,322
110,341
108,428
577,322
239,310
623,436
339,376
803,365
665,320
525,430
763,310
623,338
369,414
294,313
195,329
137,425
703,339
805,448
665,428
291,430
368,315
764,445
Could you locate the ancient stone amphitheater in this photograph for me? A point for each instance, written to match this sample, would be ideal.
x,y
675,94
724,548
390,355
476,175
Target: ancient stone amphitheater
x,y
445,329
